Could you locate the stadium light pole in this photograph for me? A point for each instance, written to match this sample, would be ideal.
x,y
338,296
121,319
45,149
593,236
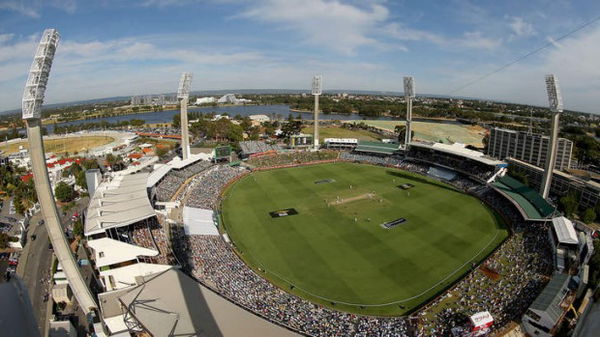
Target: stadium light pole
x,y
409,94
317,88
33,97
183,94
556,107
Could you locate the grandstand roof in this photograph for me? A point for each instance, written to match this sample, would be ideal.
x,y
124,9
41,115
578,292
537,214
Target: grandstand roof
x,y
550,298
158,173
529,202
565,232
173,304
458,149
177,164
376,147
119,202
108,251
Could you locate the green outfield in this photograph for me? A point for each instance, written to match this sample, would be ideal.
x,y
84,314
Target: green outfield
x,y
335,252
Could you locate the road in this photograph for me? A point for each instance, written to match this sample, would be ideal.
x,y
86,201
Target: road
x,y
36,271
35,267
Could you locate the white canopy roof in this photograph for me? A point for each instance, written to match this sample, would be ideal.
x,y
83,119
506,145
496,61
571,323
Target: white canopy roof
x,y
117,203
159,172
109,251
342,140
564,230
198,221
176,163
459,149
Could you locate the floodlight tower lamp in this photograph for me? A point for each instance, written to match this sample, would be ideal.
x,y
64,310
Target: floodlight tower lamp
x,y
555,101
317,89
35,87
33,98
409,94
555,104
183,94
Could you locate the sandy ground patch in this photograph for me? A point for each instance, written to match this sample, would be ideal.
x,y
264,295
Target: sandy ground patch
x,y
437,132
61,145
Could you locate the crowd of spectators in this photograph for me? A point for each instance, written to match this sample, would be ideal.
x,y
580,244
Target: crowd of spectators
x,y
287,158
151,234
377,160
140,233
171,182
252,146
522,265
205,189
210,260
460,164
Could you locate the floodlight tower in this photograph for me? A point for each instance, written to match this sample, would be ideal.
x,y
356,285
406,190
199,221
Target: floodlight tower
x,y
317,88
556,107
183,94
409,94
33,97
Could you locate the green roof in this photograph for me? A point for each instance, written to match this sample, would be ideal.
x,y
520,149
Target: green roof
x,y
376,147
530,201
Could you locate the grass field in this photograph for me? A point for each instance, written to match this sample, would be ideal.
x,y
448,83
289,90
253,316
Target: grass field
x,y
333,132
61,145
335,250
437,132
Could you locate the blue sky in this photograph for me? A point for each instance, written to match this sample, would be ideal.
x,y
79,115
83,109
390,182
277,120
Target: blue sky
x,y
117,47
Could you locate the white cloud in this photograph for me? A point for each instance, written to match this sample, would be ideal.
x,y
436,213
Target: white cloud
x,y
553,42
471,40
94,69
33,8
574,61
520,28
331,24
20,7
476,40
403,33
5,37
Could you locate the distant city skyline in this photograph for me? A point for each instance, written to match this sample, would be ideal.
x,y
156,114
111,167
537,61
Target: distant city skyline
x,y
115,48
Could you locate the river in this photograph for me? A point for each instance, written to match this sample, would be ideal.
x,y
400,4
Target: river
x,y
272,111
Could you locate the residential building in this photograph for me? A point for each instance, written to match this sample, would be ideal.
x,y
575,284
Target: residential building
x,y
562,183
530,148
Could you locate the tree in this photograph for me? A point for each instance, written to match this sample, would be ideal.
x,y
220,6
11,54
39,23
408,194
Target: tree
x,y
78,228
291,128
64,192
176,121
246,124
589,215
269,129
519,175
401,130
80,180
486,142
595,265
161,152
569,203
4,239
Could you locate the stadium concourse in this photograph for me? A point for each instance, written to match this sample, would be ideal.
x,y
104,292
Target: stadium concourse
x,y
505,284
